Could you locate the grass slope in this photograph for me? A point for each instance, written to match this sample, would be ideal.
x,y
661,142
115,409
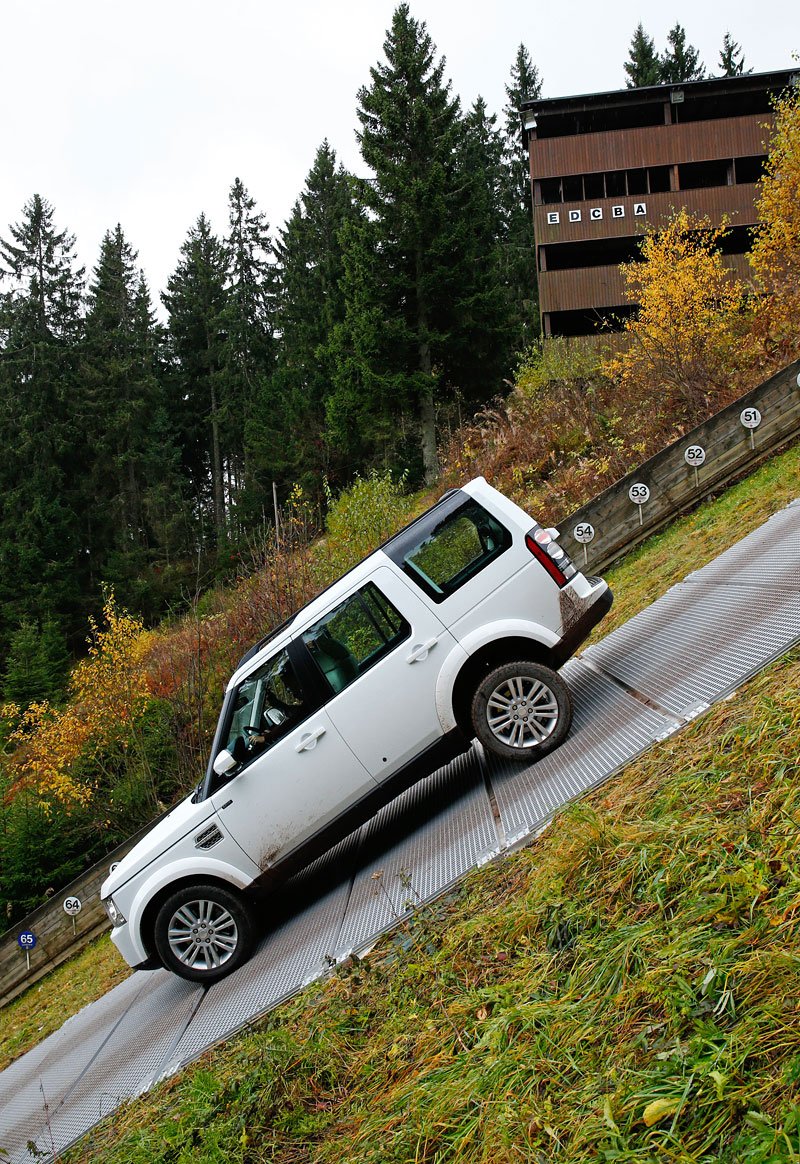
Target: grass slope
x,y
625,989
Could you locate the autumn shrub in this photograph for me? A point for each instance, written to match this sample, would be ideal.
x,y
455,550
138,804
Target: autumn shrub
x,y
359,519
691,347
775,257
558,434
108,695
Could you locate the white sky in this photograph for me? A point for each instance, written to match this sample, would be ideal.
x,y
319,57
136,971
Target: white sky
x,y
144,114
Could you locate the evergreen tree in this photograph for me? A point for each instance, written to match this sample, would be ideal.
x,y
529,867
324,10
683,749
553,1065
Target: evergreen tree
x,y
41,556
311,304
731,58
412,277
681,61
519,252
37,664
643,66
124,418
196,300
247,353
491,320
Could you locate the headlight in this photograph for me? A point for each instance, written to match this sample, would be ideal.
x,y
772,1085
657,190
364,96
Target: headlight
x,y
114,914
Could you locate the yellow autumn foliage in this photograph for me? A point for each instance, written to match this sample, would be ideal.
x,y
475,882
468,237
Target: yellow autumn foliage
x,y
108,694
775,256
691,341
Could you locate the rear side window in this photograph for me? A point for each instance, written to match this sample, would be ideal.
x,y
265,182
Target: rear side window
x,y
458,547
354,635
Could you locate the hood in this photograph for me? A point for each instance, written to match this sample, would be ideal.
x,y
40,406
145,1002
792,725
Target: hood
x,y
184,818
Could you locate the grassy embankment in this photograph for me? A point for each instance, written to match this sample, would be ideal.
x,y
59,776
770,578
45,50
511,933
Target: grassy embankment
x,y
623,989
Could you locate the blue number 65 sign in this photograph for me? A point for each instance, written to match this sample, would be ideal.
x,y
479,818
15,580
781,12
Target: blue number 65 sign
x,y
26,940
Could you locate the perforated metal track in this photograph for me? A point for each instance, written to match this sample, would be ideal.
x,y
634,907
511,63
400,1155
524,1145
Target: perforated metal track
x,y
707,634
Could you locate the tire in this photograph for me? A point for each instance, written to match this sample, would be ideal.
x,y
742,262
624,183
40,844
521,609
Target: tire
x,y
203,932
521,711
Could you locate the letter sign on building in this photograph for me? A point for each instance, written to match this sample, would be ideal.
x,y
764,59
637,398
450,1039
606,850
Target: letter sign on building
x,y
617,211
574,215
553,218
596,213
640,209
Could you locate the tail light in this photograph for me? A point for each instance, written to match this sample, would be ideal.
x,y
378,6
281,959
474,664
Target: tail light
x,y
549,553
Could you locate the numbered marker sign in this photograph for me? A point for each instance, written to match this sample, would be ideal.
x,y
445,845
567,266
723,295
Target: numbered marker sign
x,y
26,940
639,493
583,533
750,418
798,380
72,906
695,455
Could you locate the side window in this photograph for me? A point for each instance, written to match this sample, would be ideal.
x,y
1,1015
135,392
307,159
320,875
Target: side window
x,y
457,549
267,704
356,634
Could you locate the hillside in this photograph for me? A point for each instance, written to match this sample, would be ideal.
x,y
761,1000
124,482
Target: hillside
x,y
620,990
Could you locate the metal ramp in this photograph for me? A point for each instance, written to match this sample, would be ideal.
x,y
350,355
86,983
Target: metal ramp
x,y
643,682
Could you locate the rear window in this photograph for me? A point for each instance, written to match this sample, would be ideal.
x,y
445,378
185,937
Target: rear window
x,y
458,547
354,635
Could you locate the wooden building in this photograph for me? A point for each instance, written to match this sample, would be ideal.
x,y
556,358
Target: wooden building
x,y
605,165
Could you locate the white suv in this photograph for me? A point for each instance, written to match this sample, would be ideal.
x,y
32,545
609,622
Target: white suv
x,y
453,629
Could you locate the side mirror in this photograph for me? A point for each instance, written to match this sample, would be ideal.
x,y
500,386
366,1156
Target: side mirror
x,y
224,763
275,716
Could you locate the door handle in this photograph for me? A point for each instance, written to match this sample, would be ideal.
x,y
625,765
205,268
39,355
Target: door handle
x,y
309,741
421,652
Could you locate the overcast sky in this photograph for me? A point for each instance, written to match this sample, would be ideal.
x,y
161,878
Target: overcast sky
x,y
144,113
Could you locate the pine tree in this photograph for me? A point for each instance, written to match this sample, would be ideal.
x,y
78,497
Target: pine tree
x,y
491,319
681,61
519,257
37,664
311,304
123,409
643,66
731,58
196,300
247,354
404,344
42,558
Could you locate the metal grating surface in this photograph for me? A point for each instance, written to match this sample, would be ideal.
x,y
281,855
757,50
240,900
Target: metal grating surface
x,y
145,1034
768,557
697,643
416,846
290,956
609,729
46,1074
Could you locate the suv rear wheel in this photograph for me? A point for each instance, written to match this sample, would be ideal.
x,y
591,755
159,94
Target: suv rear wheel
x,y
204,932
521,710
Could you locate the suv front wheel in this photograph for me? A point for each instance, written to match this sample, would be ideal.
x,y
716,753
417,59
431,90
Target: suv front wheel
x,y
521,710
203,932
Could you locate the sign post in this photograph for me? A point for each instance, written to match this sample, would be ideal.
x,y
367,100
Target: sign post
x,y
584,533
695,456
72,907
751,418
639,495
26,941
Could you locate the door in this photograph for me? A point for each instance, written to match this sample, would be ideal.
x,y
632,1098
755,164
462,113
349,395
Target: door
x,y
381,651
295,773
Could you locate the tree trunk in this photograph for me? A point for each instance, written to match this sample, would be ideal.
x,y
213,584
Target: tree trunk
x,y
217,482
427,411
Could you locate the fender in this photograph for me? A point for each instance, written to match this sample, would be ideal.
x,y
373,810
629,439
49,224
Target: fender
x,y
192,867
493,632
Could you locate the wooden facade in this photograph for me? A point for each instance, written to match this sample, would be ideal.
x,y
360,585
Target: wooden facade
x,y
605,166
